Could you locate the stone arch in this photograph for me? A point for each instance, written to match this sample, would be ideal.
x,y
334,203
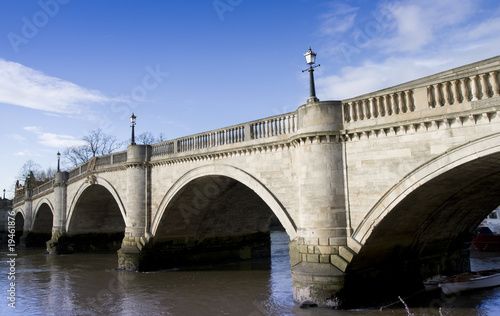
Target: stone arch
x,y
82,189
42,207
235,174
423,225
459,156
20,225
20,210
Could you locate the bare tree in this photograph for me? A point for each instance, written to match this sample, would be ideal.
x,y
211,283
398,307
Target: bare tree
x,y
29,167
96,144
36,176
146,138
161,138
45,175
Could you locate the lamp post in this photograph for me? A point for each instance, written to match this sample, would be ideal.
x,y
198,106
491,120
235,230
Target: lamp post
x,y
311,60
132,121
58,161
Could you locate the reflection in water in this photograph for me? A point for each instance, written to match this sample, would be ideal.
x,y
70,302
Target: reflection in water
x,y
88,284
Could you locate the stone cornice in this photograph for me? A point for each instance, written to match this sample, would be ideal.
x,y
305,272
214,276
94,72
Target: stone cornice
x,y
450,120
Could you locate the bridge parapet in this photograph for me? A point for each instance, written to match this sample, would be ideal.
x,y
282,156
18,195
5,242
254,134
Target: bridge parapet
x,y
284,124
455,91
102,162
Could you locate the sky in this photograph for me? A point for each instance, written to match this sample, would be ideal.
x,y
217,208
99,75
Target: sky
x,y
69,67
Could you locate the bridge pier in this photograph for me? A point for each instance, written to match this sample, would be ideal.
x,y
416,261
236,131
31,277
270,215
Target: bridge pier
x,y
59,214
318,267
129,255
28,218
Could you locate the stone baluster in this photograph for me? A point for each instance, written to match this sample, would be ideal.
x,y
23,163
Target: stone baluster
x,y
360,110
494,83
380,103
373,111
394,103
474,88
446,93
366,109
387,103
455,91
437,94
485,87
465,90
352,111
401,102
409,101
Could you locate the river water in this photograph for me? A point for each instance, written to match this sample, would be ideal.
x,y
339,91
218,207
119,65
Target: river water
x,y
89,284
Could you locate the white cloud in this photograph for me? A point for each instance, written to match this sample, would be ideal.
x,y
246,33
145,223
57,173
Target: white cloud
x,y
414,39
17,137
27,87
22,153
419,25
339,19
54,140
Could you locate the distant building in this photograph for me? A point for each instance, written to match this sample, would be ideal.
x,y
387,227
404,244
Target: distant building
x,y
5,207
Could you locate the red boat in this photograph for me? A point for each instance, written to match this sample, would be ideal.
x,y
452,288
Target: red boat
x,y
485,240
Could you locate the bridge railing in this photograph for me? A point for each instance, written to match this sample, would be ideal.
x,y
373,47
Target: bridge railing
x,y
268,127
101,161
393,103
44,187
475,82
465,89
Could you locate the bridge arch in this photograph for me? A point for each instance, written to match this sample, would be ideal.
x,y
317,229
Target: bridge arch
x,y
233,173
486,148
423,225
43,216
106,193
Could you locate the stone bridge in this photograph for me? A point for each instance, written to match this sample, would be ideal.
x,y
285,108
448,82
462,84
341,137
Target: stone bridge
x,y
385,187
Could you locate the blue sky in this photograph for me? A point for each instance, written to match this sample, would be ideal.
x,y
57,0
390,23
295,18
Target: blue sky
x,y
68,67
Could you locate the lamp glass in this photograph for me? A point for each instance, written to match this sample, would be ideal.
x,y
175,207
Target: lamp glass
x,y
310,57
132,118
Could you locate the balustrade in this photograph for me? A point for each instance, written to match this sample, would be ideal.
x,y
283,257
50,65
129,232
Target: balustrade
x,y
274,126
379,106
456,91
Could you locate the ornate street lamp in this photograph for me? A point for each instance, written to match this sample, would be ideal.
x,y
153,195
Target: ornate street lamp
x,y
58,161
132,121
311,60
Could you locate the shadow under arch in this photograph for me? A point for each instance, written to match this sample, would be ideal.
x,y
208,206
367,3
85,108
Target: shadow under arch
x,y
423,226
488,146
82,189
19,218
96,220
235,174
41,214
